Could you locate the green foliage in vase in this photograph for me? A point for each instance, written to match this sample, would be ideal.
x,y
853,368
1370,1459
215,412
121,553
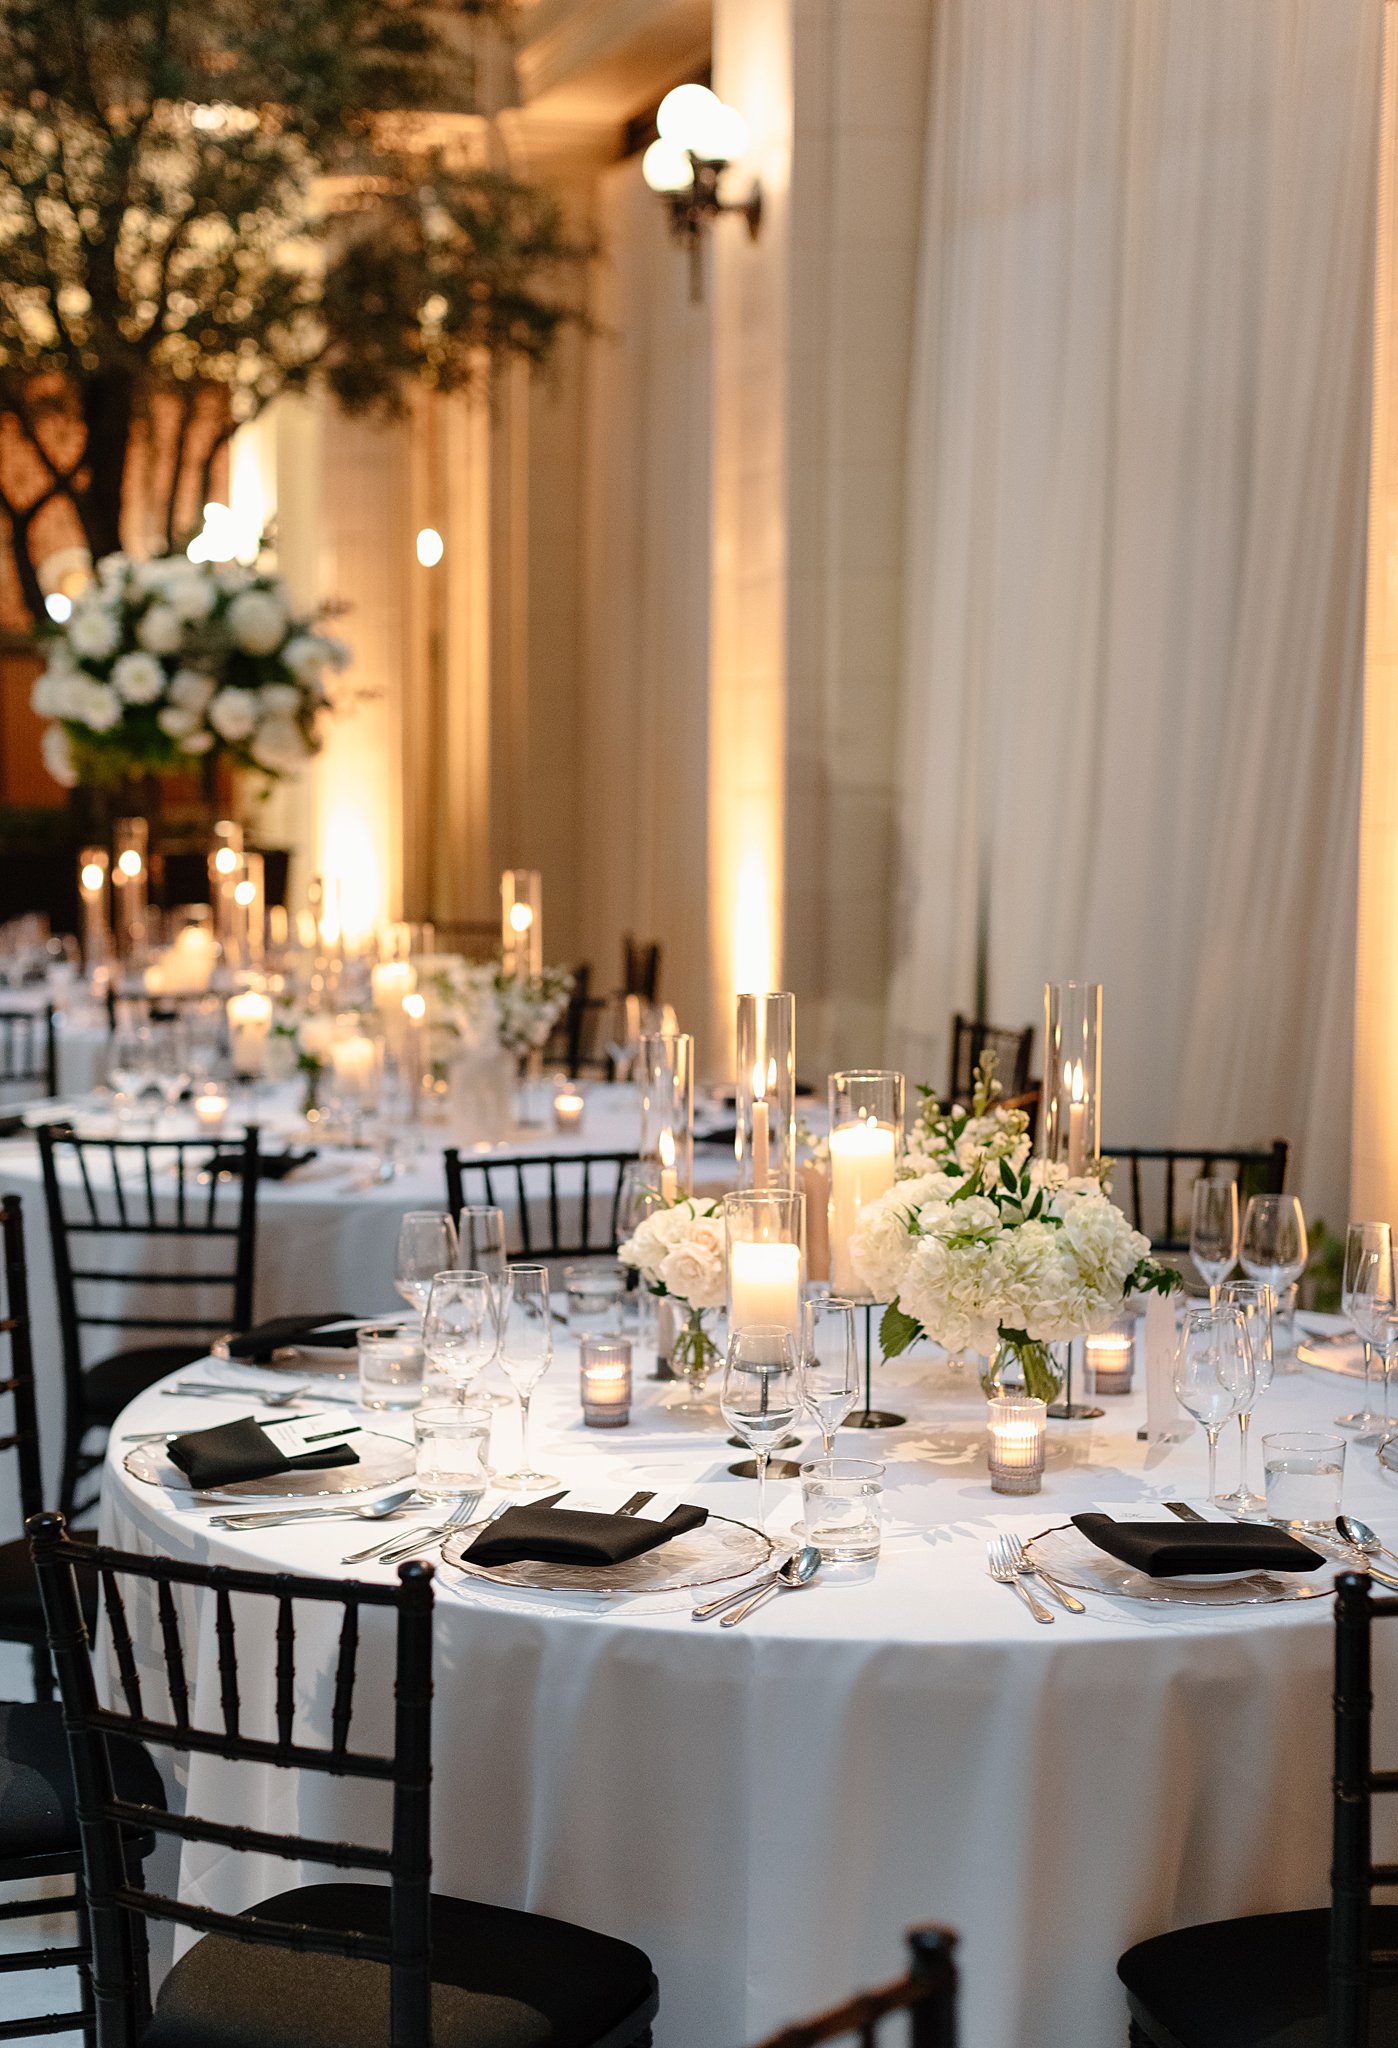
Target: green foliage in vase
x,y
220,200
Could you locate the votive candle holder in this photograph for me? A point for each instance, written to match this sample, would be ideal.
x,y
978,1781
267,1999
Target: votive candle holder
x,y
604,1374
1110,1357
1018,1429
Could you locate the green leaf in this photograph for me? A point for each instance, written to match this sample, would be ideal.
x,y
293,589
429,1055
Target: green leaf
x,y
1007,1176
897,1331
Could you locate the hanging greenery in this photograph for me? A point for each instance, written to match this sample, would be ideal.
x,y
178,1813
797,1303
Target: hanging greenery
x,y
205,203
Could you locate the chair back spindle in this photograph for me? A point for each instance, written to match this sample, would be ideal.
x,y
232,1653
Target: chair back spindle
x,y
927,1994
579,1195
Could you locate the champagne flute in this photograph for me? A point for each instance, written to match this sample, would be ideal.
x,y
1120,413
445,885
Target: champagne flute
x,y
1274,1247
1366,1296
761,1395
829,1363
1213,1232
526,1353
1254,1298
426,1247
1213,1372
480,1232
459,1331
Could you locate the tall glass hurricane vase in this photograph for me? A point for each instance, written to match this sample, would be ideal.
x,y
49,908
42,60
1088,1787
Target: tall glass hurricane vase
x,y
766,1091
665,1071
1071,1112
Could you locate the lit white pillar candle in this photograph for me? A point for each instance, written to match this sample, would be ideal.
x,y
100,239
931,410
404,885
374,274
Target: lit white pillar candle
x,y
210,1108
568,1107
1077,1121
862,1167
390,981
766,1285
353,1061
669,1177
249,1028
761,1131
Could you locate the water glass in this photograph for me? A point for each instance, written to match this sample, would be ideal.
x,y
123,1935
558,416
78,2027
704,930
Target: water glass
x,y
761,1394
595,1298
1305,1476
453,1441
841,1503
1213,1372
426,1247
391,1367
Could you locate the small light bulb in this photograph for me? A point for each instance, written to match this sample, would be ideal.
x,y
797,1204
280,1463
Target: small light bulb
x,y
91,877
130,862
666,167
430,547
521,917
58,607
724,136
415,1006
244,893
683,115
225,860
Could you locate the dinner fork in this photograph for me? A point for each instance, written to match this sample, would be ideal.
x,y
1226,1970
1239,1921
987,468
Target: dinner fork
x,y
1021,1560
398,1546
1000,1568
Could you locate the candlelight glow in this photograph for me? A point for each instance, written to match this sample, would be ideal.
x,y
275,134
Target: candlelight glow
x,y
130,862
225,860
92,877
244,893
354,885
415,1006
521,917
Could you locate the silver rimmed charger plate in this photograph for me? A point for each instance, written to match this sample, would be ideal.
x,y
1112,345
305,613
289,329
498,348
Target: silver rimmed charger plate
x,y
721,1550
1068,1554
383,1461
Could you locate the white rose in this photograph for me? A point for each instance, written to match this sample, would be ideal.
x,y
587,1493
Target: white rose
x,y
233,714
147,577
92,631
306,654
279,700
111,570
257,621
198,742
191,690
57,754
138,678
191,596
175,721
160,630
98,706
693,1269
279,746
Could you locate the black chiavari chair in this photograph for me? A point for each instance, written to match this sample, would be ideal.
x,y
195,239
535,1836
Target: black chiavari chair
x,y
1319,1979
1013,1050
562,1207
565,1045
28,1050
640,968
147,1197
414,1969
1154,1183
927,1994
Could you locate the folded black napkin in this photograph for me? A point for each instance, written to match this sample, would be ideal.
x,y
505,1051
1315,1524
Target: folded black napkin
x,y
256,1346
1175,1550
242,1450
563,1536
273,1166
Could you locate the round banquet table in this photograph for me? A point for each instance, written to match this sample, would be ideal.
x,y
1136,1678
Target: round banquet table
x,y
331,1219
765,1808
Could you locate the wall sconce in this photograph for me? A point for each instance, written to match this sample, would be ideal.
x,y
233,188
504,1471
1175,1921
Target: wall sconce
x,y
698,138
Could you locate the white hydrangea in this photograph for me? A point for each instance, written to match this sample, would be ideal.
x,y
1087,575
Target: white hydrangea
x,y
57,752
54,692
160,630
882,1243
97,706
191,690
198,742
191,597
138,678
92,631
257,621
233,714
306,654
112,570
279,746
176,721
279,700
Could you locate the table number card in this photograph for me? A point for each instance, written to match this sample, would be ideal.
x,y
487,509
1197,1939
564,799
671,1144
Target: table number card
x,y
1162,1409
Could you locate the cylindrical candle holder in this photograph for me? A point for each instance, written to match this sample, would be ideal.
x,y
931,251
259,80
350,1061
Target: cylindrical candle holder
x,y
766,1092
665,1070
1109,1356
1017,1433
604,1376
94,882
130,884
225,873
250,910
866,1144
764,1235
569,1107
1070,1123
522,923
249,1029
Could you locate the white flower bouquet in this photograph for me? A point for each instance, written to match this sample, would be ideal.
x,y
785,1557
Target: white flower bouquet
x,y
479,1006
163,663
678,1251
982,1248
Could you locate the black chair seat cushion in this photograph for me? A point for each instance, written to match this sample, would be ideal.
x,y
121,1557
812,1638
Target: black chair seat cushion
x,y
1257,1983
111,1384
501,1979
37,1815
21,1616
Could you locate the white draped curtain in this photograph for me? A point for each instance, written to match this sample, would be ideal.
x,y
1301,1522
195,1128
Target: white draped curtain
x,y
1135,569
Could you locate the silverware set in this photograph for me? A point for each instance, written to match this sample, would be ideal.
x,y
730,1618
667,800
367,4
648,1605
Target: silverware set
x,y
1010,1564
793,1572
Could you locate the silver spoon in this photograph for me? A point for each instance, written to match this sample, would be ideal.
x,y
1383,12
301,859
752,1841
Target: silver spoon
x,y
207,1390
795,1572
271,1518
1361,1537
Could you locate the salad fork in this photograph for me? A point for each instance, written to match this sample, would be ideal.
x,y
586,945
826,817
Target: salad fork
x,y
1000,1569
1022,1562
395,1548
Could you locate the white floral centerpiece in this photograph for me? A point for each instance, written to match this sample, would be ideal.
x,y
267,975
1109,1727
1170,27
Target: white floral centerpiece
x,y
678,1251
981,1248
481,1007
163,663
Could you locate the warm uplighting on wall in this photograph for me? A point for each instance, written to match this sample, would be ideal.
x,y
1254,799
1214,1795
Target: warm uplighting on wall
x,y
226,536
698,138
354,877
754,952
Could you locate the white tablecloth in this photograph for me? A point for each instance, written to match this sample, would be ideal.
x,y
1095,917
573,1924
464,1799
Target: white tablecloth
x,y
765,1808
324,1238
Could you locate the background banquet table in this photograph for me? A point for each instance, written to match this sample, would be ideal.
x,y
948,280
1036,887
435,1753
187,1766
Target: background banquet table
x,y
765,1808
332,1220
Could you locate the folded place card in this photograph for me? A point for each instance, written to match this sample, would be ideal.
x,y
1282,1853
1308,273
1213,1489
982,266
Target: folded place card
x,y
573,1536
1170,1549
233,1451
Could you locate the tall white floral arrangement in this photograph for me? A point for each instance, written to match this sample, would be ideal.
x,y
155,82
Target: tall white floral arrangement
x,y
481,1007
163,663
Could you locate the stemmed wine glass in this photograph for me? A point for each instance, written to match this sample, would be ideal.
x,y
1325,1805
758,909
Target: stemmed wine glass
x,y
1213,1372
1254,1298
426,1247
761,1395
1213,1232
460,1334
480,1232
1366,1297
829,1364
526,1353
1274,1248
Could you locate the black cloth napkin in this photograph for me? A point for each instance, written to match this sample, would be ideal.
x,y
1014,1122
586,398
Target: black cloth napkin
x,y
242,1450
256,1346
1174,1550
561,1536
273,1166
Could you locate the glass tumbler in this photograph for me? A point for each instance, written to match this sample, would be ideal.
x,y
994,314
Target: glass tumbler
x,y
596,1295
841,1501
452,1442
391,1367
1305,1475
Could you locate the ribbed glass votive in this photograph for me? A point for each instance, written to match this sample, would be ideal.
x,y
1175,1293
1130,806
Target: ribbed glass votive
x,y
1017,1432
